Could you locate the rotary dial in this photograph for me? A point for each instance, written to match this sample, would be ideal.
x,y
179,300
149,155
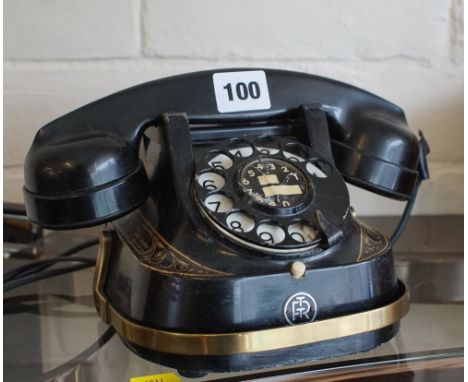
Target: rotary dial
x,y
264,193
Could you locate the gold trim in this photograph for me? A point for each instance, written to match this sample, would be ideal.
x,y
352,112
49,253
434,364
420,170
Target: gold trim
x,y
204,344
369,245
161,256
105,247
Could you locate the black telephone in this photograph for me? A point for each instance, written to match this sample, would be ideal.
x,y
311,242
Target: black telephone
x,y
232,243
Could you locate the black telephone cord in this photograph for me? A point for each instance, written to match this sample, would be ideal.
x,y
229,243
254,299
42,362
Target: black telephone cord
x,y
406,215
67,368
29,273
36,266
23,280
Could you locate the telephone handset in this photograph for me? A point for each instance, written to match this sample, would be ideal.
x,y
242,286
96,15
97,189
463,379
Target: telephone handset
x,y
232,240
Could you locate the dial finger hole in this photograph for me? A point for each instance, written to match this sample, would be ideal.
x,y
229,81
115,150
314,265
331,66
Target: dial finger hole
x,y
240,148
218,203
211,181
267,145
270,233
295,152
219,162
318,169
302,232
240,222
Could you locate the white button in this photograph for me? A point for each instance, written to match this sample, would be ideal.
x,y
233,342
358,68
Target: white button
x,y
218,203
312,169
270,233
242,152
298,269
220,162
240,222
302,232
211,181
293,157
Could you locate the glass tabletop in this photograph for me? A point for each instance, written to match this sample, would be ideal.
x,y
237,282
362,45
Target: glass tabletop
x,y
52,331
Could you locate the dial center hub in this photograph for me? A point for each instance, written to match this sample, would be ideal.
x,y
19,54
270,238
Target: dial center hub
x,y
273,183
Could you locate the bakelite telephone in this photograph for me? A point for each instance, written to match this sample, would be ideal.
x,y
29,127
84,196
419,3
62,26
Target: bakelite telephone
x,y
231,243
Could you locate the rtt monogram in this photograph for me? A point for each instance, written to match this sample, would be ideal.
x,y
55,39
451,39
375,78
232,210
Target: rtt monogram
x,y
300,307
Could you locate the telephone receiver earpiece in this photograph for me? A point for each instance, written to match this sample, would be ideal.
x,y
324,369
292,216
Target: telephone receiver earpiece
x,y
84,169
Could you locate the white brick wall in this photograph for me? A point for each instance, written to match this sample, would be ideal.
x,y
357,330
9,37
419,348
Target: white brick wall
x,y
60,55
61,30
280,30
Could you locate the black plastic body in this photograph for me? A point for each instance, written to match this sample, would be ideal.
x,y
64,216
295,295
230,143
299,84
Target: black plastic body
x,y
169,271
132,158
228,288
84,168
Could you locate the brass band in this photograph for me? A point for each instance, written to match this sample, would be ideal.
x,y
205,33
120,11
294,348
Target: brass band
x,y
200,344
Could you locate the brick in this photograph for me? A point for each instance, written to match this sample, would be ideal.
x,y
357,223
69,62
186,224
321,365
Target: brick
x,y
286,30
56,29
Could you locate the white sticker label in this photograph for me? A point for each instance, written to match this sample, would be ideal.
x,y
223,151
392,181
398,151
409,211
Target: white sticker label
x,y
241,91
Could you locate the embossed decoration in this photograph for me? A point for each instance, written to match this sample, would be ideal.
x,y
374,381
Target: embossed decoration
x,y
153,251
373,243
